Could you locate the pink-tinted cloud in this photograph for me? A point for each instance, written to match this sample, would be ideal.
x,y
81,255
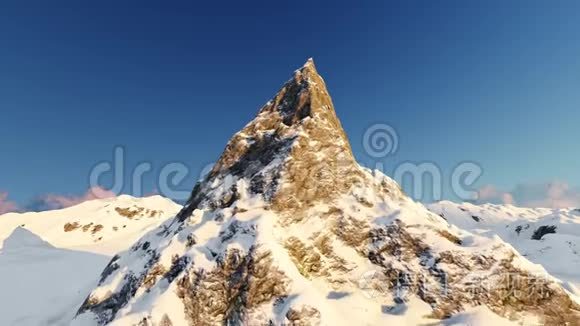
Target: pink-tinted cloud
x,y
490,194
553,195
153,192
6,206
53,201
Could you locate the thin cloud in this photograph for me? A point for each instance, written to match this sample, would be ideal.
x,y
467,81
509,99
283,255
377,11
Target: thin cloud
x,y
53,201
552,195
6,205
490,194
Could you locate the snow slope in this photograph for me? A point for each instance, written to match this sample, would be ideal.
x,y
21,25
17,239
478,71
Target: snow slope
x,y
46,271
558,252
477,316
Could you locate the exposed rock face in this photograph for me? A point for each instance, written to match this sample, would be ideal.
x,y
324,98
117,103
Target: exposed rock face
x,y
283,228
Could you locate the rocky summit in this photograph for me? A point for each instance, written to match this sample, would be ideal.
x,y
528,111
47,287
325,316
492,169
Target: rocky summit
x,y
287,229
293,154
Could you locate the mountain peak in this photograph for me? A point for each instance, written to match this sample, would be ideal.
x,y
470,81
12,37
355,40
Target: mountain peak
x,y
295,142
309,64
304,95
308,70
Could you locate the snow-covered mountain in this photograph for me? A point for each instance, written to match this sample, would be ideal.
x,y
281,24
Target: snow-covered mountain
x,y
50,260
287,229
550,237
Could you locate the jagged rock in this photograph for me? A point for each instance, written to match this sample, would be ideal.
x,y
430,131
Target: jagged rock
x,y
543,230
305,316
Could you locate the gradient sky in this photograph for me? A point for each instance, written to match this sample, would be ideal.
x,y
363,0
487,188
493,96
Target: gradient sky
x,y
497,83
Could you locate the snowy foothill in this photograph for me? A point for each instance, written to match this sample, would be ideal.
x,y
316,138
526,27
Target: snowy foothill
x,y
46,272
50,260
548,237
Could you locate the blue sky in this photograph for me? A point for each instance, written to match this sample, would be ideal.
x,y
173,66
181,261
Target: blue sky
x,y
494,83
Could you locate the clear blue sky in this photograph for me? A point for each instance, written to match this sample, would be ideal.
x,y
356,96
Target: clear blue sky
x,y
496,82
